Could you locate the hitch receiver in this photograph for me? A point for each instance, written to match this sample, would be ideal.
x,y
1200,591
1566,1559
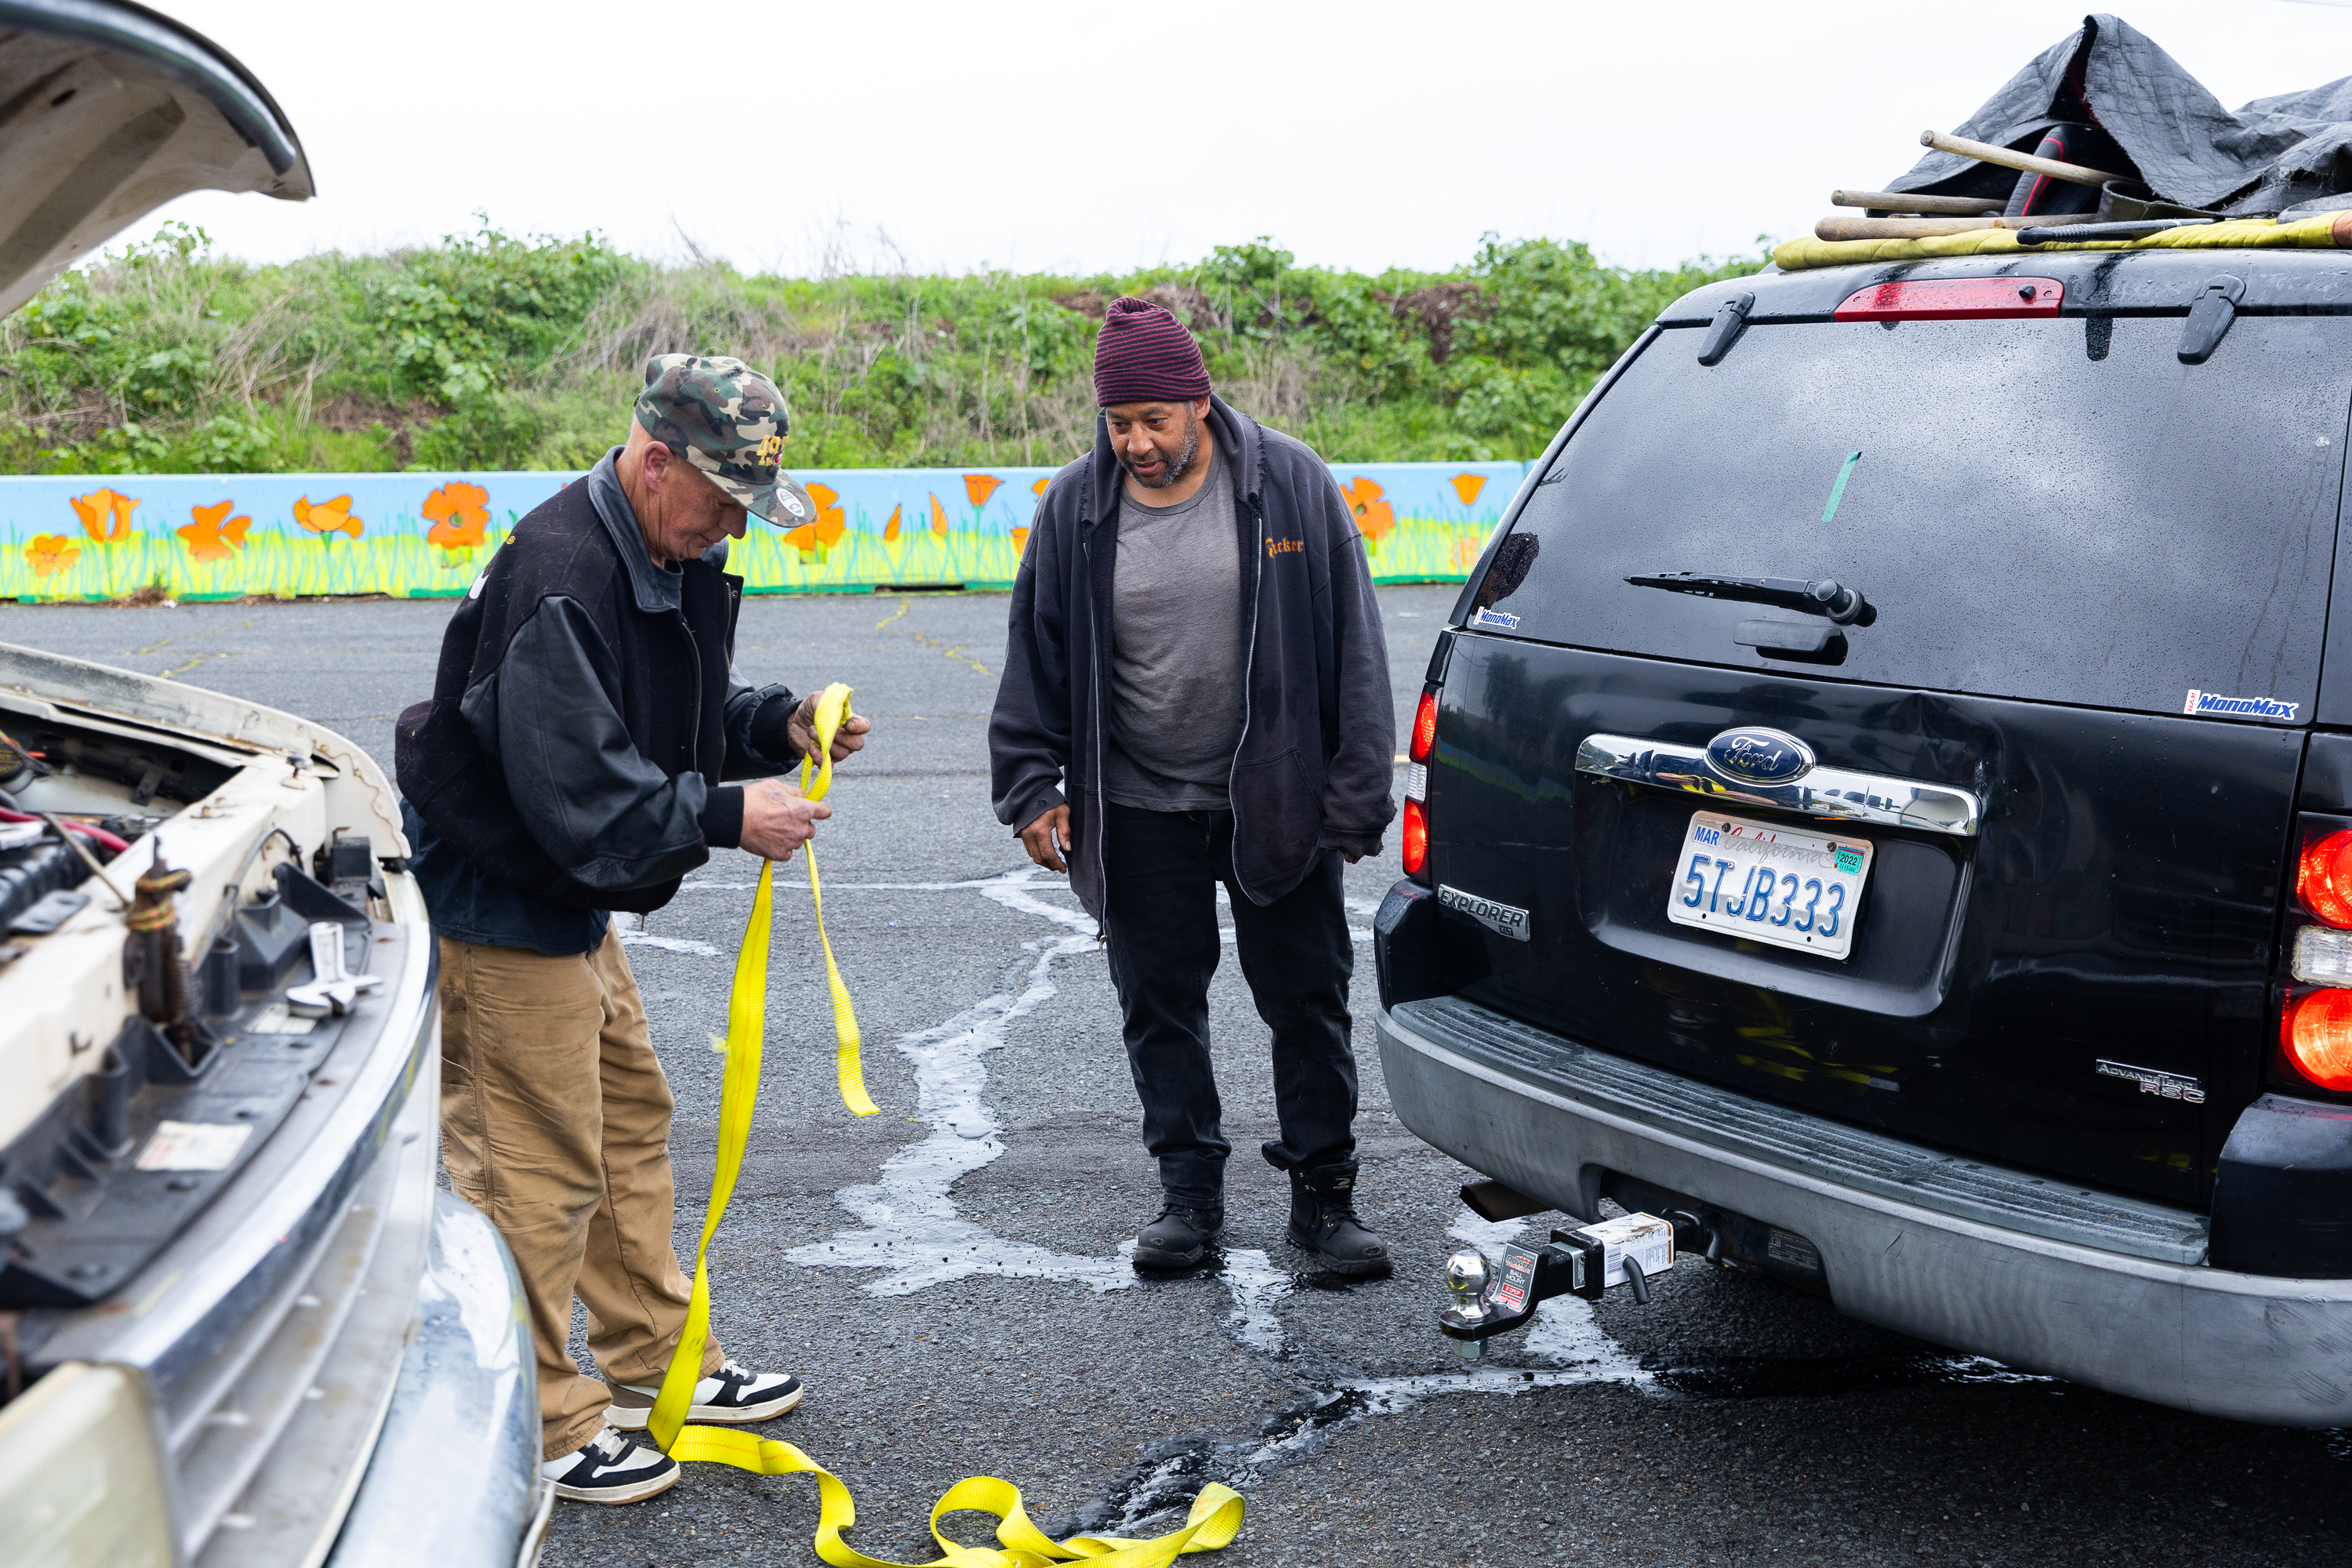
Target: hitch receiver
x,y
1586,1261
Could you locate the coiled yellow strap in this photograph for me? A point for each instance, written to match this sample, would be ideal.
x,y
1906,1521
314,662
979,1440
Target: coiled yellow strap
x,y
1215,1517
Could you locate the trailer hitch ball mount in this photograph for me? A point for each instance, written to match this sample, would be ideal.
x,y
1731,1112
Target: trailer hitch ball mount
x,y
1493,1297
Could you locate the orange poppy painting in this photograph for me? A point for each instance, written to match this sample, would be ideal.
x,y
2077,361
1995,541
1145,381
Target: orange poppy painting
x,y
105,515
1467,486
826,531
939,518
214,535
326,517
458,512
51,553
1375,517
890,528
979,487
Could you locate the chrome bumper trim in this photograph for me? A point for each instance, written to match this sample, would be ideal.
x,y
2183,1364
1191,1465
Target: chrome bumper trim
x,y
1835,793
312,1402
463,1429
2247,1347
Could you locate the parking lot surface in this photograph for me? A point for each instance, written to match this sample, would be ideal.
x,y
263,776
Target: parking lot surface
x,y
948,1278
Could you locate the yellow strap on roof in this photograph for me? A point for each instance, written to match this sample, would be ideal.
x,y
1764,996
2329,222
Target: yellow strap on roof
x,y
2325,232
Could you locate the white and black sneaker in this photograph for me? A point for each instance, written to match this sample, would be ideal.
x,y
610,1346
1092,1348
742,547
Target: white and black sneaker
x,y
611,1468
733,1397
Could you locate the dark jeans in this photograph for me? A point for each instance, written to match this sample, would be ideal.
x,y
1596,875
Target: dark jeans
x,y
1162,867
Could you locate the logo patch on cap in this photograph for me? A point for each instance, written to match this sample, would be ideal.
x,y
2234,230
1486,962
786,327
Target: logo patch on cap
x,y
730,422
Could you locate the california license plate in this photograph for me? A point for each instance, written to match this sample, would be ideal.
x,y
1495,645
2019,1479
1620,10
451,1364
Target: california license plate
x,y
1769,883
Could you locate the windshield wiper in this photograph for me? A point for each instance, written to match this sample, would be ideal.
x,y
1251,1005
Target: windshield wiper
x,y
1826,597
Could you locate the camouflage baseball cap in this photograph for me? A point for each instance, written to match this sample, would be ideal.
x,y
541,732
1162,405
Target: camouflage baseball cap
x,y
728,421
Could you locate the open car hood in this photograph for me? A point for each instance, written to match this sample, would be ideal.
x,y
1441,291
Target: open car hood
x,y
107,111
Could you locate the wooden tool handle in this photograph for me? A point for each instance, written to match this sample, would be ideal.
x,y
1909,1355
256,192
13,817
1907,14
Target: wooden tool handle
x,y
1834,228
1900,202
2024,163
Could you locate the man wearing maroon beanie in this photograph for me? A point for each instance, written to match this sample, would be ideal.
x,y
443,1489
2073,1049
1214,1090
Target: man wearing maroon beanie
x,y
1196,692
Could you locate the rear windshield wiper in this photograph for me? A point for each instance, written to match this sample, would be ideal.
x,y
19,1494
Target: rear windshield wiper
x,y
1826,597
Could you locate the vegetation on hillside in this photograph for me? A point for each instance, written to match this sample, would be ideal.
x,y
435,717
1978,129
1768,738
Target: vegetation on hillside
x,y
491,352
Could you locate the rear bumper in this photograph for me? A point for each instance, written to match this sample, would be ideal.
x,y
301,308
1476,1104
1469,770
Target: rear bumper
x,y
2250,1347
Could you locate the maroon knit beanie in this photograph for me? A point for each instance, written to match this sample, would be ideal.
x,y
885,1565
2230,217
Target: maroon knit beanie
x,y
1145,355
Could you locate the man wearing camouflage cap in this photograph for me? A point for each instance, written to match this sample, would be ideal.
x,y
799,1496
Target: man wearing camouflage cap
x,y
569,766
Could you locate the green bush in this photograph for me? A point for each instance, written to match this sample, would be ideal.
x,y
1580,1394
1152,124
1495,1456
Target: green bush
x,y
493,351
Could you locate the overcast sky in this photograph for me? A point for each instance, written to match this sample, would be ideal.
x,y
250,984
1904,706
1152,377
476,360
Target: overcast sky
x,y
1078,138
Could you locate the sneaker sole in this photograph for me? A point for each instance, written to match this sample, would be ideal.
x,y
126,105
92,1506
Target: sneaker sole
x,y
635,1491
636,1417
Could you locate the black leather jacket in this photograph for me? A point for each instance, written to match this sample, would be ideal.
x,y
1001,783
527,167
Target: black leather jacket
x,y
586,711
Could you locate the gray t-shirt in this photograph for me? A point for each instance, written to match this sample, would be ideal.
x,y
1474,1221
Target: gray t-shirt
x,y
1176,651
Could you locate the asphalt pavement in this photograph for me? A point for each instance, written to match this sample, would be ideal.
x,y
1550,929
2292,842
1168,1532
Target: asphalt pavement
x,y
948,1276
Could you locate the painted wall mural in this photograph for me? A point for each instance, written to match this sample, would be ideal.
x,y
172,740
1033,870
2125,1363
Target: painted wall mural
x,y
227,536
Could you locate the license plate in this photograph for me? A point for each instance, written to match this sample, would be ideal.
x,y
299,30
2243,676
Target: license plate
x,y
1769,883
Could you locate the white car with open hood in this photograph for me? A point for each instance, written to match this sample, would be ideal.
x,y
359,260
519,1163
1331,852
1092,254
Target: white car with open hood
x,y
239,1325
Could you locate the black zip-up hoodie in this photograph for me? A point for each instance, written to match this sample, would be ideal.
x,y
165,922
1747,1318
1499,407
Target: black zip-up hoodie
x,y
1316,758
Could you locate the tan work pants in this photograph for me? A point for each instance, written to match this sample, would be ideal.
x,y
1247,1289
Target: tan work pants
x,y
555,1123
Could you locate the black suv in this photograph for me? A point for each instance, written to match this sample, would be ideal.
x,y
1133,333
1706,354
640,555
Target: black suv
x,y
1887,790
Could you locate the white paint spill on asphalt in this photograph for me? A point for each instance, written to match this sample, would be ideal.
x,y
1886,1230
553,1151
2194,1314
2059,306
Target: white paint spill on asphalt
x,y
913,1232
912,1227
1256,1285
1164,1487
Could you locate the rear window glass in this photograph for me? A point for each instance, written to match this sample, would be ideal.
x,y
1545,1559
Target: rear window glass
x,y
2057,509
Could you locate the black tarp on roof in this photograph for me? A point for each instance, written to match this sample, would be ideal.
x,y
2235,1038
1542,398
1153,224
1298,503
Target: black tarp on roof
x,y
2271,154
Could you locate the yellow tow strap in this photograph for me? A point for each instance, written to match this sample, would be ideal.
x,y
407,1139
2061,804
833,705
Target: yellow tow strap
x,y
832,709
1215,1517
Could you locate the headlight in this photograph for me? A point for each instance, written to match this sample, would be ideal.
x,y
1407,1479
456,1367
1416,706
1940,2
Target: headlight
x,y
82,1480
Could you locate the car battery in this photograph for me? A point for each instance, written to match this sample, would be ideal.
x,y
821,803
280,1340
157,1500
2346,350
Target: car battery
x,y
1598,1251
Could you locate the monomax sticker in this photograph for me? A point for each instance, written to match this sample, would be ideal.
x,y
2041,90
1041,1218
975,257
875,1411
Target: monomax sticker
x,y
2239,707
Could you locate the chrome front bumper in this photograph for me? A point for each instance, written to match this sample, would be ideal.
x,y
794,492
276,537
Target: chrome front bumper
x,y
463,1429
2249,1347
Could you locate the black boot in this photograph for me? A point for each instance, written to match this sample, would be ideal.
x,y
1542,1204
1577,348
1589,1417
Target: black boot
x,y
1323,1221
1178,1238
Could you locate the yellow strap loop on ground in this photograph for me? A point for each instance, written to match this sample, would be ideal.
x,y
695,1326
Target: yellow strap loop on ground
x,y
1215,1517
831,709
1215,1520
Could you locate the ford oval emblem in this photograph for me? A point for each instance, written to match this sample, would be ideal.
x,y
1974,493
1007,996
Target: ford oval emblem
x,y
1751,755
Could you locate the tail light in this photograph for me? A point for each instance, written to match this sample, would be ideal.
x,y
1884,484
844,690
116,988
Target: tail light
x,y
2323,878
2318,1038
2316,1015
1416,783
1424,730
